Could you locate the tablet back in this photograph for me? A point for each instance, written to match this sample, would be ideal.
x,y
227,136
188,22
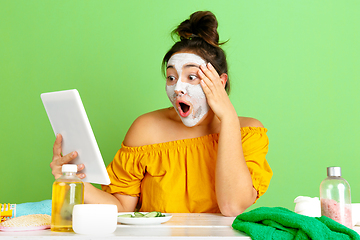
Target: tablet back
x,y
68,117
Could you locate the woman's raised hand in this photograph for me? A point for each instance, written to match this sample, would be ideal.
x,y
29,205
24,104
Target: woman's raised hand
x,y
58,160
213,86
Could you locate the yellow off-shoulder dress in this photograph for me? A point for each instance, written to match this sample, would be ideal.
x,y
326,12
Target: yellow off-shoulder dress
x,y
179,176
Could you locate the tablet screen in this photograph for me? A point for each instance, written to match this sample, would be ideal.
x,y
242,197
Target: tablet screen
x,y
68,117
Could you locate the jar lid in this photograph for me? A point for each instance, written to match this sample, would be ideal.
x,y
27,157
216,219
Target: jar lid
x,y
69,168
334,171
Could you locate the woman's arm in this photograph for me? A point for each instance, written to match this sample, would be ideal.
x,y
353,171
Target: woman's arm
x,y
124,203
92,194
233,184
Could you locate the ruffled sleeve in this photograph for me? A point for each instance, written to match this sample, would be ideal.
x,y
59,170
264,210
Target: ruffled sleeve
x,y
126,172
255,147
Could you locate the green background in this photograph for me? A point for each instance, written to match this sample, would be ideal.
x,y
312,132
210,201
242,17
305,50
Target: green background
x,y
294,65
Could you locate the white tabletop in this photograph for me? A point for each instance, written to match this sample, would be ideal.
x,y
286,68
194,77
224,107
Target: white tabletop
x,y
180,226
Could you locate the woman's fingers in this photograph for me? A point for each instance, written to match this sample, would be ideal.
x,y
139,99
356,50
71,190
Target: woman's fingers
x,y
214,88
211,79
67,158
206,74
58,160
211,73
81,175
205,81
80,167
205,88
57,146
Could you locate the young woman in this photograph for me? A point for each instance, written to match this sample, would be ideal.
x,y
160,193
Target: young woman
x,y
197,156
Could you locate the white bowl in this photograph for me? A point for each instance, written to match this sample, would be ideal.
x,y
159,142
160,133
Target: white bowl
x,y
94,218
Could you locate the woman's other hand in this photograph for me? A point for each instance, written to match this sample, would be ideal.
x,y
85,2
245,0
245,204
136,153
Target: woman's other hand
x,y
58,159
213,86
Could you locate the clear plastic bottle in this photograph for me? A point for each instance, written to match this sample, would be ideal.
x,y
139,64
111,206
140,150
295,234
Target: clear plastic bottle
x,y
335,197
67,191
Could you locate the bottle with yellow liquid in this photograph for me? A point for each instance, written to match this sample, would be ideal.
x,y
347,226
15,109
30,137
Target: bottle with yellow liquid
x,y
67,191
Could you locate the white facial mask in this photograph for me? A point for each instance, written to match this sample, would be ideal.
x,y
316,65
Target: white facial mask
x,y
185,93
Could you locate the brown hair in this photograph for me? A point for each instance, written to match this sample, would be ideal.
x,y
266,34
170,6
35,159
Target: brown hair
x,y
199,35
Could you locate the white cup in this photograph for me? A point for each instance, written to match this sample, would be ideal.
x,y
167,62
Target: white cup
x,y
94,218
308,206
355,208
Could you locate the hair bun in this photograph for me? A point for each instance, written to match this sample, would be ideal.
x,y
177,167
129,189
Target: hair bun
x,y
201,24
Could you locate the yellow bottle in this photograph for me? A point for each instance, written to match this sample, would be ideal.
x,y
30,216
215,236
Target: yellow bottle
x,y
67,191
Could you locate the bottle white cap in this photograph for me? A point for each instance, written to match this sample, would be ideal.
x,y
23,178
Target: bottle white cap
x,y
334,171
69,168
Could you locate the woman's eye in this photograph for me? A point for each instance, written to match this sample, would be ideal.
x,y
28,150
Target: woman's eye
x,y
192,77
171,78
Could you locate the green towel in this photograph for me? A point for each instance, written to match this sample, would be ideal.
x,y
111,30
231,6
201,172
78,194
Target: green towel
x,y
280,223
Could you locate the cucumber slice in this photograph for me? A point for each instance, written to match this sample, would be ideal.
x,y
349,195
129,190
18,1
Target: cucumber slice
x,y
159,214
142,215
151,214
138,214
126,215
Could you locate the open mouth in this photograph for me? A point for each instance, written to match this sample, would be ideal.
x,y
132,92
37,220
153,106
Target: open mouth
x,y
184,109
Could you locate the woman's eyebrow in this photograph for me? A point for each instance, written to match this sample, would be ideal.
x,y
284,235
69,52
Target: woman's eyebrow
x,y
185,66
191,65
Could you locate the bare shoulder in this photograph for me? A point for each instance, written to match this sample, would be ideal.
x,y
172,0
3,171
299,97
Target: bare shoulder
x,y
145,128
250,122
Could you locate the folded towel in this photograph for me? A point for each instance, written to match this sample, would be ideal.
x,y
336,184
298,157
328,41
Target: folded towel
x,y
280,223
43,207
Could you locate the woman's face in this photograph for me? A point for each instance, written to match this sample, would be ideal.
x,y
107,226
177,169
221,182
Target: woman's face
x,y
183,88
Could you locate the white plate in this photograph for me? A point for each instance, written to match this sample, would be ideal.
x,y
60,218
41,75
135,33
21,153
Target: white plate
x,y
142,221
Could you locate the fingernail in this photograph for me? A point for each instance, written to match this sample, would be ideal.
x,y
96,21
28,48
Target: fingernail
x,y
203,66
73,154
210,65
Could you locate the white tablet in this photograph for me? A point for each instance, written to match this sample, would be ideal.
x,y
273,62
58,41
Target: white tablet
x,y
67,116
